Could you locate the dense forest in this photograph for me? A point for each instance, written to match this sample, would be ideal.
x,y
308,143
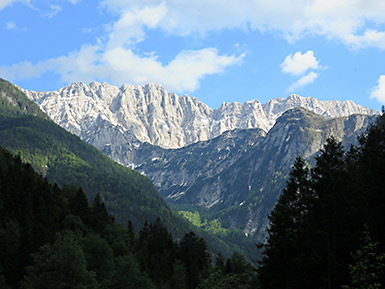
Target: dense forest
x,y
50,237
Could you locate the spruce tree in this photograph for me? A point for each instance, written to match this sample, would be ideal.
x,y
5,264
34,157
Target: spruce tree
x,y
278,267
328,186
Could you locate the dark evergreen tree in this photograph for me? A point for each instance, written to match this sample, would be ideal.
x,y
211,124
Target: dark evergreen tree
x,y
325,226
371,181
193,253
156,252
334,220
99,217
131,234
78,205
278,268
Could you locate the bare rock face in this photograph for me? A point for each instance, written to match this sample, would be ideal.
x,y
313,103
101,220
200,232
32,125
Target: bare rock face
x,y
146,113
102,114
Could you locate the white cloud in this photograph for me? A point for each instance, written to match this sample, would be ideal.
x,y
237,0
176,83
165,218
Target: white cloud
x,y
378,92
353,22
303,81
113,59
121,65
129,29
54,9
299,63
10,25
5,3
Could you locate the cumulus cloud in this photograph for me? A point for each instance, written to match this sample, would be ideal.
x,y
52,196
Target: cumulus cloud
x,y
353,22
299,63
121,65
114,60
303,81
356,23
378,92
129,29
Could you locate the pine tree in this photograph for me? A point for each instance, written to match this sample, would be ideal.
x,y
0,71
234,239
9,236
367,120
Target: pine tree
x,y
328,185
277,268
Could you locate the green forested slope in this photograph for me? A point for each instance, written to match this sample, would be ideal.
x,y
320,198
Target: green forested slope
x,y
63,158
14,103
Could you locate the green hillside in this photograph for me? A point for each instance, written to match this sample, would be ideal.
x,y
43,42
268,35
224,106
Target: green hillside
x,y
64,159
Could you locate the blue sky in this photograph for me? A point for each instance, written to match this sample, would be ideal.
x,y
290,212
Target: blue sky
x,y
215,50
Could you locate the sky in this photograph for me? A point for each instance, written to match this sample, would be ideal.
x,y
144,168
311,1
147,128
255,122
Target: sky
x,y
215,50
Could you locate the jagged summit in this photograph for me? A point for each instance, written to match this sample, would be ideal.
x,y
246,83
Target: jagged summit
x,y
103,113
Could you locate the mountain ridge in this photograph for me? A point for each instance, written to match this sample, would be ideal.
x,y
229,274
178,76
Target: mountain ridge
x,y
149,113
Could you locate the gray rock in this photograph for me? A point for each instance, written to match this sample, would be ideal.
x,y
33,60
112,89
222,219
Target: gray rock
x,y
150,114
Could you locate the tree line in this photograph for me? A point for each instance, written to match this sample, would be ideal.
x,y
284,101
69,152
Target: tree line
x,y
327,229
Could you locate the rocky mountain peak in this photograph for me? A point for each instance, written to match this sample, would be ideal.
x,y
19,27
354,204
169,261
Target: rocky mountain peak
x,y
149,113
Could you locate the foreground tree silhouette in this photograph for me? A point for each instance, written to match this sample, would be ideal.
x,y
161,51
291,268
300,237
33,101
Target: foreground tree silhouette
x,y
326,226
277,268
314,225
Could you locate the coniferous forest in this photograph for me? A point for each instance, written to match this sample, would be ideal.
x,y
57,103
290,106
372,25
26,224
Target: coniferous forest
x,y
326,231
50,237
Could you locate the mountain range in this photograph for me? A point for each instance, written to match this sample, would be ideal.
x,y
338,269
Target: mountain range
x,y
148,113
228,164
